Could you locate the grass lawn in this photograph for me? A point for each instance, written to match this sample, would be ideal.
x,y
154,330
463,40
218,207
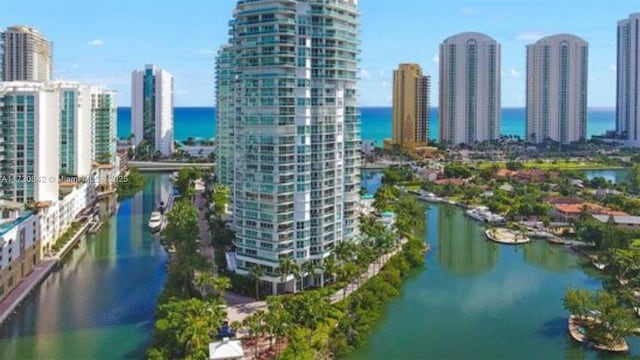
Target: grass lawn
x,y
554,165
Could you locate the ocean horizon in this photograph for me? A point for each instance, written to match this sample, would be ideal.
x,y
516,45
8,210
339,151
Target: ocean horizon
x,y
200,122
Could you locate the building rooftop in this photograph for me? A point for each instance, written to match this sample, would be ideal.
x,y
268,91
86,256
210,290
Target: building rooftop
x,y
592,208
619,219
6,226
10,205
226,349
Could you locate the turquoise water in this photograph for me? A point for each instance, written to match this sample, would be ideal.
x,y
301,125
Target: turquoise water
x,y
376,122
101,302
613,175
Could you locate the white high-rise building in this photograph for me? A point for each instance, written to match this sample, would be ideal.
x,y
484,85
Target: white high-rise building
x,y
628,84
26,54
557,71
30,148
469,89
152,109
75,127
289,129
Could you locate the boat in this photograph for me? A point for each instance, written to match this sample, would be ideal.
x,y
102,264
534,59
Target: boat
x,y
475,214
155,221
425,248
598,265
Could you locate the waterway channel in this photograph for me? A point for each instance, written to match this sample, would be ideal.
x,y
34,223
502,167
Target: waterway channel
x,y
100,303
479,300
474,299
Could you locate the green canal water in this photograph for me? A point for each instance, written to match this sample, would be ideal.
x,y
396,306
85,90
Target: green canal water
x,y
100,303
479,300
473,300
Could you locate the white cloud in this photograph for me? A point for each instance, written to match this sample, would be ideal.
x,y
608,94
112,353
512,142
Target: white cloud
x,y
613,68
529,35
364,74
96,42
436,58
514,73
206,52
468,11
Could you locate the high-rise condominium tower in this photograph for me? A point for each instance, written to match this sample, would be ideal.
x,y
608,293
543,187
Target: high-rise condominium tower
x,y
29,155
52,128
289,130
26,54
557,69
469,89
152,109
104,125
410,106
628,69
75,128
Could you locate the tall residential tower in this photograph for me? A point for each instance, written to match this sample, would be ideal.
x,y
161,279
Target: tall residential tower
x,y
628,89
152,109
290,83
29,153
410,106
469,89
557,68
26,54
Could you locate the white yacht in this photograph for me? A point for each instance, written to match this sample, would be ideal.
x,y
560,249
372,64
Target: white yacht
x,y
155,222
475,214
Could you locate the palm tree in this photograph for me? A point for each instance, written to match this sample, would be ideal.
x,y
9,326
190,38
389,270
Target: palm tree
x,y
286,267
256,272
309,268
319,269
330,267
206,283
348,272
344,251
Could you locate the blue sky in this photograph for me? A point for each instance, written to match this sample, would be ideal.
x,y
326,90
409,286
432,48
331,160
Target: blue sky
x,y
101,42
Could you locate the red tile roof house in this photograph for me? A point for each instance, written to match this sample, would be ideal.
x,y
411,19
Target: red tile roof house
x,y
454,181
571,208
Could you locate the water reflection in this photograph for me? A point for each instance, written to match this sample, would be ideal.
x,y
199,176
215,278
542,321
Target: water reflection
x,y
459,249
100,303
552,258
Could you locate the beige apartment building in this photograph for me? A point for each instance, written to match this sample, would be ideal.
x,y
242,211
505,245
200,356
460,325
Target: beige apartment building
x,y
410,107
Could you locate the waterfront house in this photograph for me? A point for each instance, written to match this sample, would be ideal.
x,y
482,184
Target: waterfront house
x,y
428,174
622,221
568,212
454,181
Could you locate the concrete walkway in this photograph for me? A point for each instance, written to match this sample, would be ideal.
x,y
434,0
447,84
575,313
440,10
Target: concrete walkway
x,y
20,292
239,312
203,227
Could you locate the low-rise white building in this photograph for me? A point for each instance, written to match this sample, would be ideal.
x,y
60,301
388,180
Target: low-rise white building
x,y
19,245
56,216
